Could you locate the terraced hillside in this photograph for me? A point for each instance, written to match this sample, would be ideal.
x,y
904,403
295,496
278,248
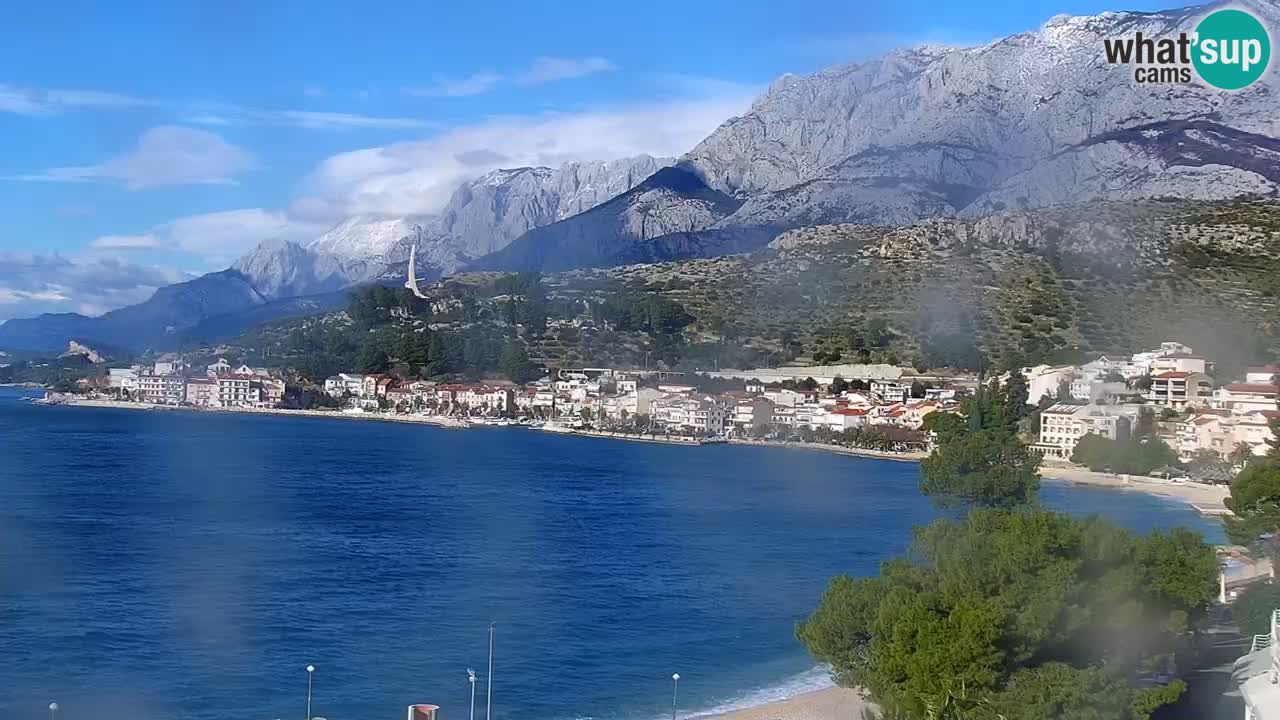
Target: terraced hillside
x,y
1023,286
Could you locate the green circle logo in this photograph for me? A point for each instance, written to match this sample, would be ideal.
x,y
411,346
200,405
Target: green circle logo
x,y
1232,49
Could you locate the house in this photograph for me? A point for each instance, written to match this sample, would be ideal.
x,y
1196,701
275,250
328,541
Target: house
x,y
1062,425
689,414
272,391
1178,389
219,367
890,391
202,392
1246,397
375,386
783,397
916,412
841,419
749,413
343,383
400,398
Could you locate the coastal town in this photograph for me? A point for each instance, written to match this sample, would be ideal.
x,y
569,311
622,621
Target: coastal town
x,y
1171,390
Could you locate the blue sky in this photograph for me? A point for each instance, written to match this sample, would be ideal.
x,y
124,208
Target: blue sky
x,y
146,141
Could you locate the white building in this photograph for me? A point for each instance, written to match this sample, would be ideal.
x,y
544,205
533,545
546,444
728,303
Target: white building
x,y
1045,380
168,389
237,391
1062,426
125,379
1269,375
890,391
1245,397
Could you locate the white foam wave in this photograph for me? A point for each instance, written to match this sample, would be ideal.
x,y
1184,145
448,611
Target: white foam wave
x,y
817,678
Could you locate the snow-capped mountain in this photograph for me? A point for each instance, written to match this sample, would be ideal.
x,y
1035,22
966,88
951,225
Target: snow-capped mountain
x,y
367,238
1035,119
486,214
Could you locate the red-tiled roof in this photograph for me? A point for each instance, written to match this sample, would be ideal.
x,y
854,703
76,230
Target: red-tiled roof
x,y
1172,375
1262,388
850,412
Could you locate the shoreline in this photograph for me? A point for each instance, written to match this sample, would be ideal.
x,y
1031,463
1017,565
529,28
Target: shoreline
x,y
1205,499
833,703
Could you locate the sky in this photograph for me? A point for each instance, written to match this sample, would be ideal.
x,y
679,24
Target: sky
x,y
144,143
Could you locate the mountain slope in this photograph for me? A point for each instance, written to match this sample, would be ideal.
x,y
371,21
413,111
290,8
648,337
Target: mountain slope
x,y
672,200
281,269
486,214
146,324
931,131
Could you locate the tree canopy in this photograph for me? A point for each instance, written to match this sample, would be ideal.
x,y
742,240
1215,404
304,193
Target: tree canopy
x,y
981,460
1133,456
1254,501
1041,614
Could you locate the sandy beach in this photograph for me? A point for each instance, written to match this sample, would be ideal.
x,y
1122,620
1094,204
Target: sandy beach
x,y
829,704
1208,499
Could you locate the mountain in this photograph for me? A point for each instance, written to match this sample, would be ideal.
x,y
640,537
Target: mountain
x,y
281,269
146,324
484,215
672,200
1034,120
368,238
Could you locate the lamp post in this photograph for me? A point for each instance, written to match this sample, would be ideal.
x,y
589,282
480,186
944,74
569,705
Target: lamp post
x,y
53,711
488,691
471,676
310,669
675,688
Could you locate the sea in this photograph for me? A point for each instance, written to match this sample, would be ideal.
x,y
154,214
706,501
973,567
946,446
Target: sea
x,y
174,564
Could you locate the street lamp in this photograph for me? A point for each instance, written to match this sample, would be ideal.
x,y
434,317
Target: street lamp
x,y
488,691
471,676
53,711
310,669
675,688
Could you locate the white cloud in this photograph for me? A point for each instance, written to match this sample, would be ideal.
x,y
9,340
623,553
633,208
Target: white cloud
x,y
417,177
477,84
34,101
31,284
218,237
126,242
164,156
222,114
551,69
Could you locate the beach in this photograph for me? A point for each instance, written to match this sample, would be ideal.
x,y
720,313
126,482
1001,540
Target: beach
x,y
1208,499
833,703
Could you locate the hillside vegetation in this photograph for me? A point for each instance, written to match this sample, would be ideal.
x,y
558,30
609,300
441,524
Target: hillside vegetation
x,y
1011,288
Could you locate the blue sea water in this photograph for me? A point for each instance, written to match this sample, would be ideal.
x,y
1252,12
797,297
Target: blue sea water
x,y
190,565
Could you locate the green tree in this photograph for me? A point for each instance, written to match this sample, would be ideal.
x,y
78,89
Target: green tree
x,y
985,464
1252,610
515,364
1027,613
1254,502
374,359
